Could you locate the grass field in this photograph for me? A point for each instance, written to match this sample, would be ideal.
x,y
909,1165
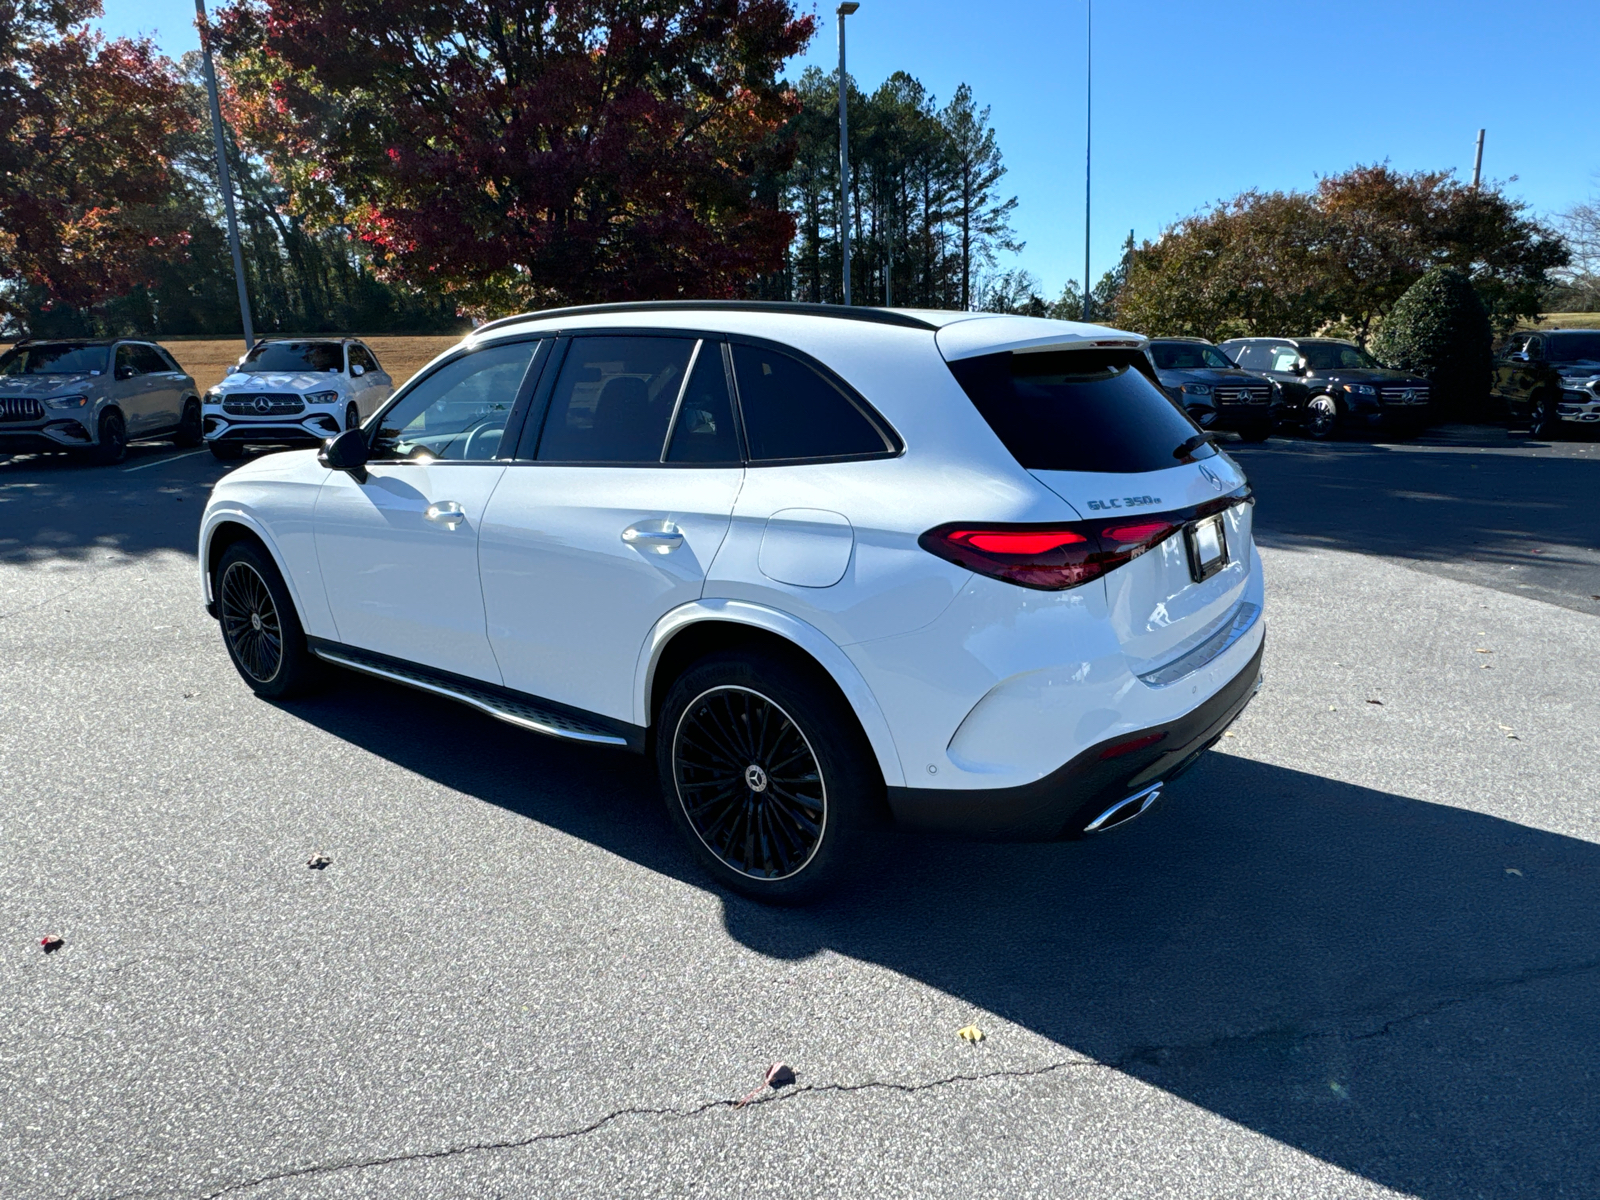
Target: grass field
x,y
1567,321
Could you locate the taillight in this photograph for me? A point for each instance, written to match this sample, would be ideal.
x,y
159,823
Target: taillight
x,y
1048,557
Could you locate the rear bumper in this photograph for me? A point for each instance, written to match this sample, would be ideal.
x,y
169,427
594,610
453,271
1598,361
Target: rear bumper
x,y
1061,803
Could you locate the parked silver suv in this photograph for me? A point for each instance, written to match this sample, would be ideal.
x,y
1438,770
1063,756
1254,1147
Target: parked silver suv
x,y
92,396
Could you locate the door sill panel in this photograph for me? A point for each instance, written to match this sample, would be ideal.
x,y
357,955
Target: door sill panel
x,y
517,708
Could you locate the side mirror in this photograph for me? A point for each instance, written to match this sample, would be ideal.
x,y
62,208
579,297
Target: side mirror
x,y
1300,367
357,370
125,373
232,367
346,452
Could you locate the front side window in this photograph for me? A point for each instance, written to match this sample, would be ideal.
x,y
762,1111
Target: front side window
x,y
614,398
294,357
1078,410
1283,358
149,361
54,358
360,357
1336,356
459,412
127,365
792,411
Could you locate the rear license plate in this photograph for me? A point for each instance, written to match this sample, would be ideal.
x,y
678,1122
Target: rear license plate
x,y
1208,547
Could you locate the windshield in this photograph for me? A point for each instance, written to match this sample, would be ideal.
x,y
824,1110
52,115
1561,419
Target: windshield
x,y
1078,410
1188,356
294,356
1336,356
54,358
1572,347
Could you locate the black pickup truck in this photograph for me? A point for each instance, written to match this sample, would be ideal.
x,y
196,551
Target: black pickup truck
x,y
1550,379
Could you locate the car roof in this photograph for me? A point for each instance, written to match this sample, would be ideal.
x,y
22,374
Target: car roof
x,y
957,334
1196,340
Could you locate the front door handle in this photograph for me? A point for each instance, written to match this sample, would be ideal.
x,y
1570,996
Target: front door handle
x,y
447,513
658,537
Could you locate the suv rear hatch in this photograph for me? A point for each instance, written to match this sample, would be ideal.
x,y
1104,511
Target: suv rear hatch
x,y
1170,513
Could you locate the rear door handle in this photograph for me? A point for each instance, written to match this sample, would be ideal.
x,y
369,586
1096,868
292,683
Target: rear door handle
x,y
447,513
658,537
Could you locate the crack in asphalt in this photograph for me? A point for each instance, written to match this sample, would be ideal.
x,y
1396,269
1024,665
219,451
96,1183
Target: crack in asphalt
x,y
1138,1055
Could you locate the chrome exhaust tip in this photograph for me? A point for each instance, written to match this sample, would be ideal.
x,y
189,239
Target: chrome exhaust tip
x,y
1125,810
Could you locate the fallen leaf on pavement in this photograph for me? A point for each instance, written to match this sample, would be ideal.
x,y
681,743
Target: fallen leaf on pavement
x,y
1481,650
1374,701
778,1075
319,862
970,1033
1229,733
1513,871
51,943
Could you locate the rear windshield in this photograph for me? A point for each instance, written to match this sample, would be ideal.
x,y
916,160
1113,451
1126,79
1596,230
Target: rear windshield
x,y
1078,410
1572,347
53,358
271,357
1188,356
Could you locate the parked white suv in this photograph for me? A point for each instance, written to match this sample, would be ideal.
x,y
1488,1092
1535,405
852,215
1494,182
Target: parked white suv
x,y
294,392
976,572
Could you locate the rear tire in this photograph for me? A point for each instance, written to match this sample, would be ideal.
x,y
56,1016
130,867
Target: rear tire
x,y
259,625
189,430
765,774
227,451
113,444
1322,418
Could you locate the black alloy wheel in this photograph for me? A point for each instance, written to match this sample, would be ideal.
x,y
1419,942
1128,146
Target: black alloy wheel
x,y
113,444
1542,419
765,773
749,783
250,622
189,429
259,626
1322,417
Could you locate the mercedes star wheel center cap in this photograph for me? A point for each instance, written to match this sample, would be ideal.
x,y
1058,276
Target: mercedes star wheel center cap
x,y
755,778
255,623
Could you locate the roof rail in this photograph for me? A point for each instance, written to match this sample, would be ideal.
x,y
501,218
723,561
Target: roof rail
x,y
877,316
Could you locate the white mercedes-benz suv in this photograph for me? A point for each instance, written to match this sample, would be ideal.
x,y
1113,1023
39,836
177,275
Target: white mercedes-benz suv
x,y
295,392
975,573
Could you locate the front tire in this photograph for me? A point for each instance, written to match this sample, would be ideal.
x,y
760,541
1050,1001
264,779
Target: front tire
x,y
352,417
1542,419
765,774
1322,418
259,624
113,445
189,430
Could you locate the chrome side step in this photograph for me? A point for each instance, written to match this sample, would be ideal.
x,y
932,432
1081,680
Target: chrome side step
x,y
524,715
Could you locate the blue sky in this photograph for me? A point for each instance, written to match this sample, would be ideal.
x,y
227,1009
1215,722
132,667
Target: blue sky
x,y
1194,102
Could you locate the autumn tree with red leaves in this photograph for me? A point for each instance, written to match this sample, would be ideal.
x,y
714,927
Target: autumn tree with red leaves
x,y
89,129
521,154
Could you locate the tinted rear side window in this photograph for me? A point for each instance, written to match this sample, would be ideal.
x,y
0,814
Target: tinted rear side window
x,y
614,398
1076,410
792,411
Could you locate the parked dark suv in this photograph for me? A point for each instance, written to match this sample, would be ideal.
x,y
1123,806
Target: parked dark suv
x,y
1331,386
1550,379
1214,392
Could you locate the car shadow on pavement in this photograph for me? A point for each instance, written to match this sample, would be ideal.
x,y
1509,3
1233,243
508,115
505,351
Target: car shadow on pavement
x,y
1403,989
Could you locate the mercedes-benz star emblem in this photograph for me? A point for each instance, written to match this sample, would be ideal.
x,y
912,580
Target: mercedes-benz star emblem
x,y
1408,395
1216,480
263,404
755,778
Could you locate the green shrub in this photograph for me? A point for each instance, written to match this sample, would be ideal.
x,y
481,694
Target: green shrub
x,y
1440,329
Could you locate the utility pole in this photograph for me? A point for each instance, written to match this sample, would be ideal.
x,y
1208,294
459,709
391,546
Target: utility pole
x,y
1088,133
844,150
1477,162
222,176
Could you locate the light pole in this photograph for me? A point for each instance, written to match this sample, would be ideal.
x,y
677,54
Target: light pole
x,y
1088,132
844,150
222,177
1477,162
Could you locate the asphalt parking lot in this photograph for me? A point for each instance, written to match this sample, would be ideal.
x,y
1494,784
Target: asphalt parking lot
x,y
1355,954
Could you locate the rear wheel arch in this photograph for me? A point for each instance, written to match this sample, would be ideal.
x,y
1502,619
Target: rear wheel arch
x,y
695,639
